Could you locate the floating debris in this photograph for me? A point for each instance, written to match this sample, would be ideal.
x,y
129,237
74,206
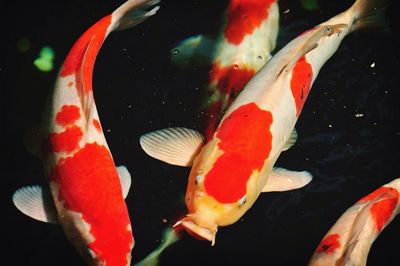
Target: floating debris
x,y
359,115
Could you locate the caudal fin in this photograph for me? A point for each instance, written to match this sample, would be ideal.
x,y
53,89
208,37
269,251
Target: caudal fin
x,y
170,237
369,14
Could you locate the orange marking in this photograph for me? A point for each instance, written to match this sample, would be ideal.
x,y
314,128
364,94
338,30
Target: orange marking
x,y
376,194
89,184
386,199
70,84
97,125
300,84
81,58
246,143
68,115
244,16
229,82
65,141
329,244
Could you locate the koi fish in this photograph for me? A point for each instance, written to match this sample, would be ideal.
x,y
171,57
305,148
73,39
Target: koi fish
x,y
231,170
242,47
350,238
86,191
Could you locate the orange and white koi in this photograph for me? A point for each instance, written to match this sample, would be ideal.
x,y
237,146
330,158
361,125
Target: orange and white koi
x,y
231,170
87,191
242,47
350,238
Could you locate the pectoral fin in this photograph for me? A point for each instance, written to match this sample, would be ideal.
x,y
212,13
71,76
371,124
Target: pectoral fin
x,y
281,179
291,141
125,179
176,146
37,203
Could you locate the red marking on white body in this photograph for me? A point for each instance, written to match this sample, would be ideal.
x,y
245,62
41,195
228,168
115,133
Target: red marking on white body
x,y
243,47
359,226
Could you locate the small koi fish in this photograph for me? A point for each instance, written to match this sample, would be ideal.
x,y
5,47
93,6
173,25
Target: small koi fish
x,y
231,170
350,238
242,47
86,191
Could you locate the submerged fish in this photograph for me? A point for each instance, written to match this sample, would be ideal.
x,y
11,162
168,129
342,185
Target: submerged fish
x,y
231,170
350,238
242,47
86,189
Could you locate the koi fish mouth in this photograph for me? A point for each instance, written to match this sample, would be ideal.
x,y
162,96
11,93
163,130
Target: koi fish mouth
x,y
199,232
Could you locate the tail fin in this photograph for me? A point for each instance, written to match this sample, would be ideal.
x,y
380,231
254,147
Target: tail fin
x,y
133,12
369,14
81,58
170,237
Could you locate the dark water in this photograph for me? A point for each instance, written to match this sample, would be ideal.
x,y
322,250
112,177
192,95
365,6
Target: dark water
x,y
137,90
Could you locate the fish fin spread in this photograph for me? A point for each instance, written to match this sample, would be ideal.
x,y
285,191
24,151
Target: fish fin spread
x,y
291,141
197,49
369,14
36,202
281,179
125,179
309,44
169,237
134,12
176,146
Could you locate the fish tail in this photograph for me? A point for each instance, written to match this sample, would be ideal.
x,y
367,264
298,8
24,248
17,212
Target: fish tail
x,y
369,14
133,12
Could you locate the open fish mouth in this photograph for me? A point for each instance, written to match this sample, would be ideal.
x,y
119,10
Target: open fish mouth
x,y
197,231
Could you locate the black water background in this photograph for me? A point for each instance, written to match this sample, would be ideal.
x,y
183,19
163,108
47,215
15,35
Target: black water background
x,y
137,91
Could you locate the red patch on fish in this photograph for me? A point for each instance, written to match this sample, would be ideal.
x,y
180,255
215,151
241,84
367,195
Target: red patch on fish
x,y
81,58
245,139
89,184
376,194
68,115
244,16
300,84
229,82
97,125
210,119
329,244
67,140
387,199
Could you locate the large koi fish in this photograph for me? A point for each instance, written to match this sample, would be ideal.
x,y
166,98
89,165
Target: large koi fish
x,y
86,189
231,170
242,47
350,238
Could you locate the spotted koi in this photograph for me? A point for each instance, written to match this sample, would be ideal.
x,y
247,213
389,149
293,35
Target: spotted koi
x,y
349,240
87,190
242,47
231,169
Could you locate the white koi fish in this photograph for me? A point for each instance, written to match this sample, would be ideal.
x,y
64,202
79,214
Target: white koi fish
x,y
242,47
231,170
87,191
349,240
